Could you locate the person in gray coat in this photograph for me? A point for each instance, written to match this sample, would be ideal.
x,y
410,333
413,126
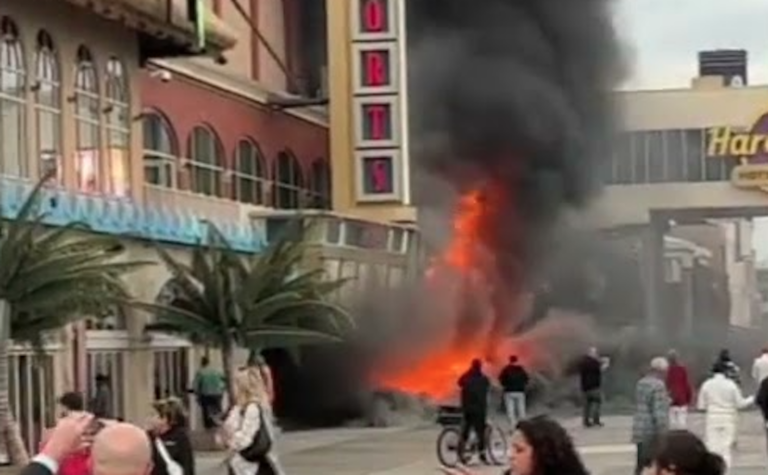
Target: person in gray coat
x,y
651,417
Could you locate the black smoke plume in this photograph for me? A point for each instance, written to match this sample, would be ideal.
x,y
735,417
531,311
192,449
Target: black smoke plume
x,y
514,97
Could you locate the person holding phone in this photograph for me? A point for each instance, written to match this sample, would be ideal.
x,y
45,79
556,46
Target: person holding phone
x,y
78,461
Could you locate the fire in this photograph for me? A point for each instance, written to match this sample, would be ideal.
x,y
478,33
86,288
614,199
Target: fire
x,y
437,373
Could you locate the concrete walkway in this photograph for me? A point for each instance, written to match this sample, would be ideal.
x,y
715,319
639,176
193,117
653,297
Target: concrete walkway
x,y
411,451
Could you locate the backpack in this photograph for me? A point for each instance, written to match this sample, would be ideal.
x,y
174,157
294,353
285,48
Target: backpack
x,y
262,440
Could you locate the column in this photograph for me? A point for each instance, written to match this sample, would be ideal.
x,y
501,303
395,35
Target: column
x,y
653,256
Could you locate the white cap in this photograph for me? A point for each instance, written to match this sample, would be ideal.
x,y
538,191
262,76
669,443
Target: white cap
x,y
659,364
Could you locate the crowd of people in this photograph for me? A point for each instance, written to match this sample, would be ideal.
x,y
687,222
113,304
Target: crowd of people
x,y
663,397
82,443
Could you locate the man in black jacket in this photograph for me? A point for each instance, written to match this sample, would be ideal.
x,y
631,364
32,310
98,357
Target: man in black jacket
x,y
474,385
514,381
591,376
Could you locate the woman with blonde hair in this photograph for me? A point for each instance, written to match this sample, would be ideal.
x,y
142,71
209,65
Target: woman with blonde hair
x,y
247,432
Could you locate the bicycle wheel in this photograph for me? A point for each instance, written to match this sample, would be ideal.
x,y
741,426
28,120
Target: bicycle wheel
x,y
497,445
448,452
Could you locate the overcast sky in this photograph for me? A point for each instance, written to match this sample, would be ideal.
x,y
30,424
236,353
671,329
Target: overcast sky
x,y
664,36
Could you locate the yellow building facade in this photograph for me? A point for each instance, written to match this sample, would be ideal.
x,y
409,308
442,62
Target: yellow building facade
x,y
368,111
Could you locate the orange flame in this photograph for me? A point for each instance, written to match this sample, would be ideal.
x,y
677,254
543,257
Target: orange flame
x,y
436,374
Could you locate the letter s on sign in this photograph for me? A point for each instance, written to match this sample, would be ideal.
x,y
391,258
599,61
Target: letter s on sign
x,y
380,178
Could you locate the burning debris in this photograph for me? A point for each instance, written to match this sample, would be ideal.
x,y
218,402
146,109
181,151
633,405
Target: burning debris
x,y
511,103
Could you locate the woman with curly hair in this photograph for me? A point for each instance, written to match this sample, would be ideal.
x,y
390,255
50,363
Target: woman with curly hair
x,y
682,453
539,446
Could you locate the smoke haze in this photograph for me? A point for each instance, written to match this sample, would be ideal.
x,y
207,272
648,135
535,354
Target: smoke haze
x,y
514,95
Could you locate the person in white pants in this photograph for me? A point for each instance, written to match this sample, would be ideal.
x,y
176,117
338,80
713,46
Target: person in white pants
x,y
721,399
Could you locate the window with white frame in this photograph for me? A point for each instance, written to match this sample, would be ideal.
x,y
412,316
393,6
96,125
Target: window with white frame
x,y
87,123
320,184
12,101
47,96
118,127
160,151
206,159
250,174
289,182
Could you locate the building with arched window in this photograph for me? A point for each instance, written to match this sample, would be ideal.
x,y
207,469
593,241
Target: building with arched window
x,y
149,126
70,109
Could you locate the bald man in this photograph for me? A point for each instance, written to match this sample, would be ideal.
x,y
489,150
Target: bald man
x,y
121,449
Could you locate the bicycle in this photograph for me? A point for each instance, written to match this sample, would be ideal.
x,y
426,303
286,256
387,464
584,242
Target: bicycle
x,y
449,450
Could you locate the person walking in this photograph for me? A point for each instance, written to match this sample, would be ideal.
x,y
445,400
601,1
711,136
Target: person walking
x,y
248,432
721,399
760,367
680,392
514,381
209,387
651,416
591,371
474,386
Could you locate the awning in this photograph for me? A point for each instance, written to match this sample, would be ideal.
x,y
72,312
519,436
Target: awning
x,y
166,24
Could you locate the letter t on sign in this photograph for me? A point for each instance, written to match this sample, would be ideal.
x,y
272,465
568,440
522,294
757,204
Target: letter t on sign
x,y
378,121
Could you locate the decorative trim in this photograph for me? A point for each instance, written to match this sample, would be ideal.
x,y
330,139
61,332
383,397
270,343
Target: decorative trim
x,y
122,217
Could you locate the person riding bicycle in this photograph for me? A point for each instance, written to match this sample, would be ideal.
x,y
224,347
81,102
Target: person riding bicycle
x,y
474,385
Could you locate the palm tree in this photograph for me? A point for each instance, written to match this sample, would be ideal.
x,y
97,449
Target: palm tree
x,y
49,277
227,301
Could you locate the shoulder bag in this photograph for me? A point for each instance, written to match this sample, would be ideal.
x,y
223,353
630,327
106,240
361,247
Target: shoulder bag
x,y
262,441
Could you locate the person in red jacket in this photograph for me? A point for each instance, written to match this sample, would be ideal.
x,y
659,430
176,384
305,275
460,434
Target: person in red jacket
x,y
680,392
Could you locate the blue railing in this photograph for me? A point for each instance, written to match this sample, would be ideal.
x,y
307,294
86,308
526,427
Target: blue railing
x,y
119,216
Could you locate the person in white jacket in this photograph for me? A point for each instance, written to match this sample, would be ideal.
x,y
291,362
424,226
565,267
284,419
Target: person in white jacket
x,y
721,399
760,367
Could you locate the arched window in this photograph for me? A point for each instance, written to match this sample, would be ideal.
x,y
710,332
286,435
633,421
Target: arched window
x,y
250,174
13,135
206,158
87,121
320,184
160,151
118,113
47,89
289,181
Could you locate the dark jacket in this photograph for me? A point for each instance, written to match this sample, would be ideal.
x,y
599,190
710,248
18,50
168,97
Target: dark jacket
x,y
761,399
474,392
514,378
34,468
591,374
179,447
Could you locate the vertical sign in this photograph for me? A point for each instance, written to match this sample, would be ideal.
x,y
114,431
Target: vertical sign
x,y
380,102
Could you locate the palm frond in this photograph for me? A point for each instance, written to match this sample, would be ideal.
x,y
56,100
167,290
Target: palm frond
x,y
275,336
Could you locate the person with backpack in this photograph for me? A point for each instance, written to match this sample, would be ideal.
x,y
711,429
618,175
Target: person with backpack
x,y
248,432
